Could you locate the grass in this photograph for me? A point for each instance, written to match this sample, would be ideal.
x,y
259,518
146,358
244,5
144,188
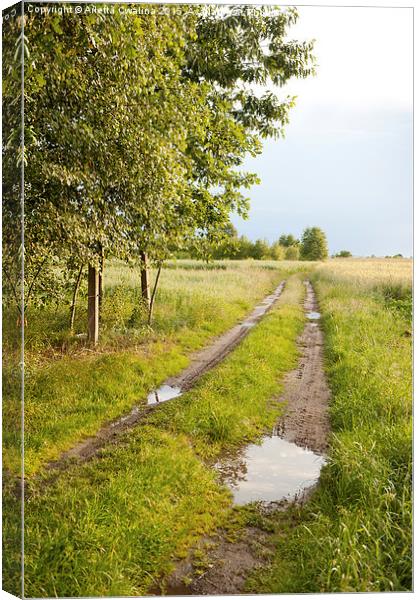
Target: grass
x,y
114,525
355,534
69,394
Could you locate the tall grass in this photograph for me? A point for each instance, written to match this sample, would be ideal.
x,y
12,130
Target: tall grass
x,y
194,295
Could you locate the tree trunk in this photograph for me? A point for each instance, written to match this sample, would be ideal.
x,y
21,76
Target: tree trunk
x,y
75,294
101,267
93,306
145,280
153,296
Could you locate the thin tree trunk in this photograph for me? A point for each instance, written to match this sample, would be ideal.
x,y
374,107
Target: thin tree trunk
x,y
28,295
101,267
15,295
93,306
145,280
75,294
153,296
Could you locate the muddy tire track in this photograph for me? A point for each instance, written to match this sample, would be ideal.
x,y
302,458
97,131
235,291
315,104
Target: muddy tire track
x,y
306,423
227,565
202,361
306,391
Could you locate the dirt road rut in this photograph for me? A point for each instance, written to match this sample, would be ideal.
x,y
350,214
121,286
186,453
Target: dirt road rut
x,y
306,392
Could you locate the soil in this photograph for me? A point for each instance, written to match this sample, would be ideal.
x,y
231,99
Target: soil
x,y
306,392
201,362
305,423
225,567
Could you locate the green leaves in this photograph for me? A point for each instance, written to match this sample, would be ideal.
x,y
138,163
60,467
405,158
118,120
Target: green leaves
x,y
136,124
313,244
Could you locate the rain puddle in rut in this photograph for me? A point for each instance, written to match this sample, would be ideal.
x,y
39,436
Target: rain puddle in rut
x,y
313,315
274,470
163,393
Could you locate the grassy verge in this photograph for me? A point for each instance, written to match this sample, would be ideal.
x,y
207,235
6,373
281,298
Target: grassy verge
x,y
69,396
355,534
114,525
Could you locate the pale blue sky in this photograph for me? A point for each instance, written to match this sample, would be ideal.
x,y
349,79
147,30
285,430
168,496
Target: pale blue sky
x,y
346,164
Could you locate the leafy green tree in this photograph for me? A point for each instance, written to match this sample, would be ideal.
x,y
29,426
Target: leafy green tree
x,y
261,250
313,244
228,246
235,50
292,253
239,46
343,254
13,48
244,248
108,169
277,251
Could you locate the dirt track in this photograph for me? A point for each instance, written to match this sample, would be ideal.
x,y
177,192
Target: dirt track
x,y
304,423
306,392
201,362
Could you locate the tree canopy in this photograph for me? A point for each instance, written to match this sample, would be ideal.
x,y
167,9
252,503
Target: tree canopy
x,y
313,244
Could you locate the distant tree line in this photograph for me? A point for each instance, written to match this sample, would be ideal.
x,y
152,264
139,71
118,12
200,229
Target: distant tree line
x,y
311,246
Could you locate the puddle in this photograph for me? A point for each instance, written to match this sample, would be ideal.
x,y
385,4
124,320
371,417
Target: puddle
x,y
248,325
313,315
270,472
163,393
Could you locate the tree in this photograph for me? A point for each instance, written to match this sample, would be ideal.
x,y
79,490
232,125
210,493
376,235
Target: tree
x,y
292,253
239,46
227,247
235,49
108,171
343,254
288,240
277,251
13,157
261,250
313,244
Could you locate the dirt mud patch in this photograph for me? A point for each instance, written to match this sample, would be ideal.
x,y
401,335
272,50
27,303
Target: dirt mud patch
x,y
306,392
218,565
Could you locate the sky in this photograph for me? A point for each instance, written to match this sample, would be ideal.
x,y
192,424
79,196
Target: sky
x,y
346,164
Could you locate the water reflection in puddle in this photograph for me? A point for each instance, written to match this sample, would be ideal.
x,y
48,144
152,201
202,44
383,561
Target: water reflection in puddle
x,y
269,472
248,325
313,315
163,393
